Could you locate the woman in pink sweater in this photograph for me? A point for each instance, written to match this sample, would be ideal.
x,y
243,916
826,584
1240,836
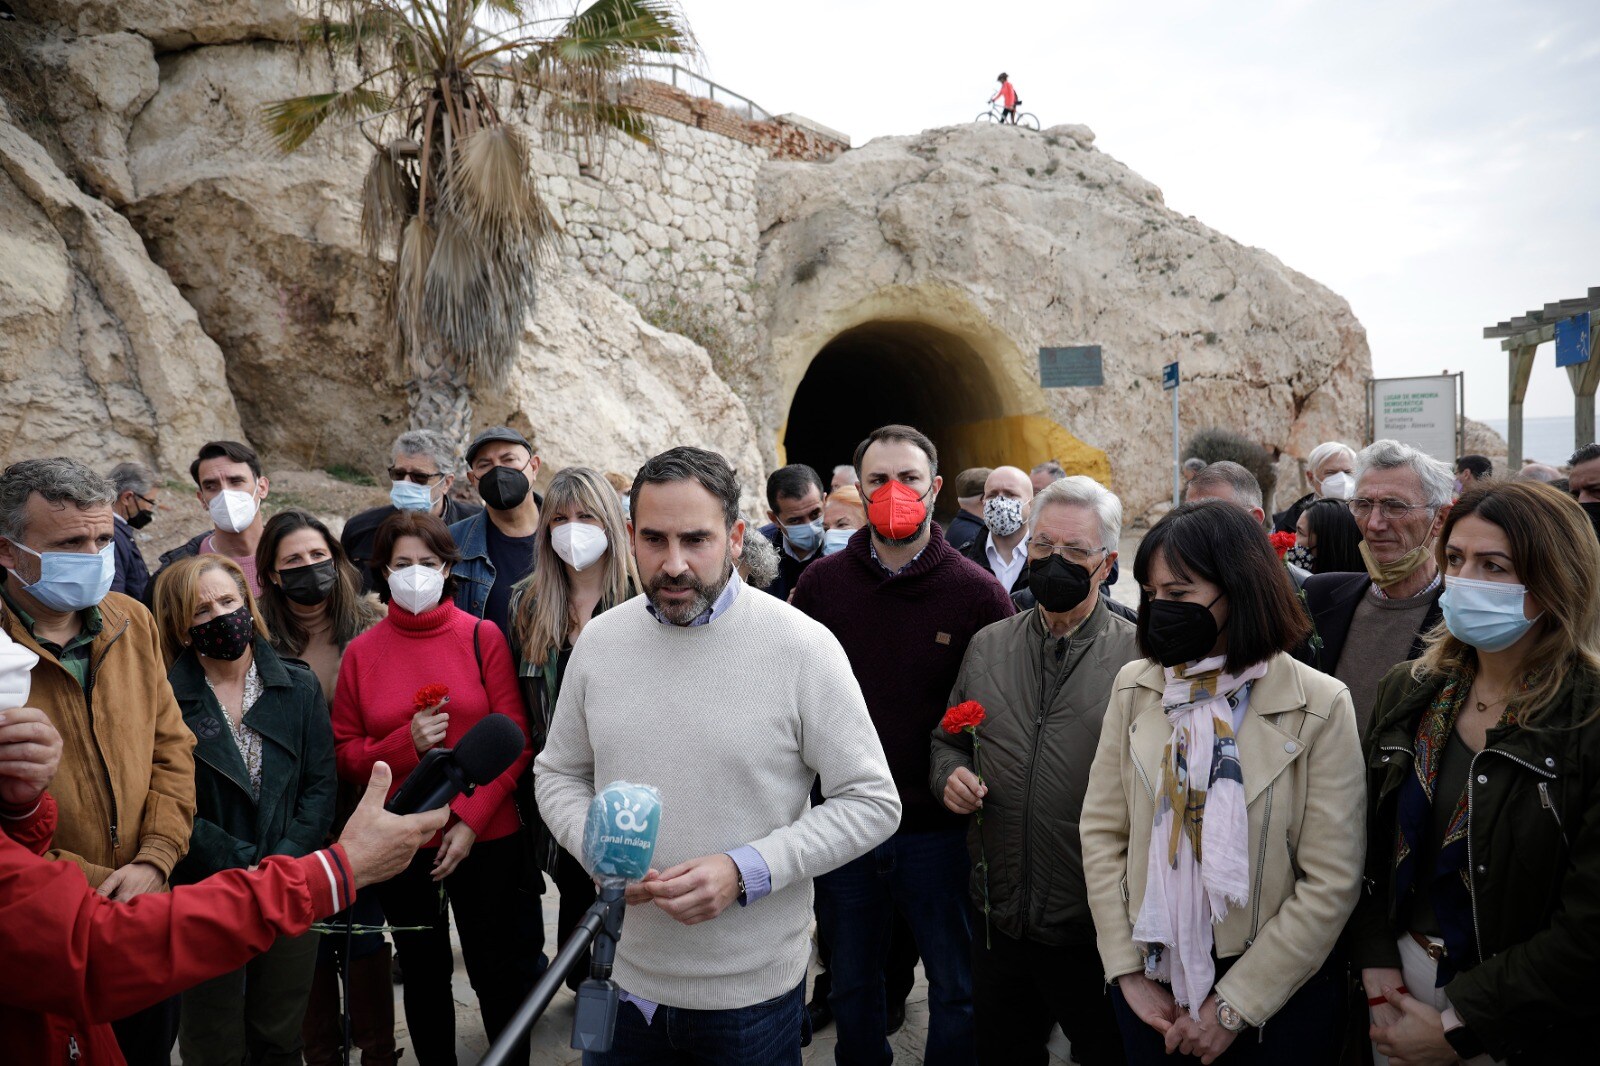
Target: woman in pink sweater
x,y
478,860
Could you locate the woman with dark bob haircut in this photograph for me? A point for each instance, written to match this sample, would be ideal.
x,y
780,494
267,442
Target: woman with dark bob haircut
x,y
1478,935
1221,831
419,679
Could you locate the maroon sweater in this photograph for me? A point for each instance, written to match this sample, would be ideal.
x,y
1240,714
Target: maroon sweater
x,y
905,635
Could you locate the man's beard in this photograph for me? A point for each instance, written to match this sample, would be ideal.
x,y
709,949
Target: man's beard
x,y
681,613
901,542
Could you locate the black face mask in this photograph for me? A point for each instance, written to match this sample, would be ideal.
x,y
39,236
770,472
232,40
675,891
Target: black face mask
x,y
225,636
1593,511
308,585
1180,631
1058,585
503,488
141,519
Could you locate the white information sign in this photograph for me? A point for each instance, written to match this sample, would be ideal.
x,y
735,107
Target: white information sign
x,y
1421,412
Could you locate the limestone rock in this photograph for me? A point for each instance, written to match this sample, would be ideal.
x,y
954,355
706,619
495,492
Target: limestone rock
x,y
100,357
169,24
97,84
949,258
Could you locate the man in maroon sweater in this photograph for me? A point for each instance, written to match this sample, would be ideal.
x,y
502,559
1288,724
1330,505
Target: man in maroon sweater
x,y
903,603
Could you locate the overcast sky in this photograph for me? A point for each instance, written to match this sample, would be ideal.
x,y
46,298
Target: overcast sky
x,y
1434,162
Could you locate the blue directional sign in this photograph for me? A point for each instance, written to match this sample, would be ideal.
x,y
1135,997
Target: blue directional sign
x,y
1169,376
1572,340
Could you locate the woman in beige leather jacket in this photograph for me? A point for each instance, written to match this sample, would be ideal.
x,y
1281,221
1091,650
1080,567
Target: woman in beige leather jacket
x,y
1216,908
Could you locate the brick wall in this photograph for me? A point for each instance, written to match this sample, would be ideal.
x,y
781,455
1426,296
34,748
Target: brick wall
x,y
780,139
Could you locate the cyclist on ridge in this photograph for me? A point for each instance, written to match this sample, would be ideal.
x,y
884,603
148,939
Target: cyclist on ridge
x,y
1008,93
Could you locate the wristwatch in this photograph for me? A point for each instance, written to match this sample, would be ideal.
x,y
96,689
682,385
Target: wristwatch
x,y
741,896
1228,1017
1462,1040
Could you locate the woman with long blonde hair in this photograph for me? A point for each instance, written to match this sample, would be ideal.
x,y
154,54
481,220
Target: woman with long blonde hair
x,y
582,567
1477,936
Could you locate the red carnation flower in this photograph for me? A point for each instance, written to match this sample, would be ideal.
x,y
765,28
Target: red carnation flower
x,y
1281,543
968,715
430,696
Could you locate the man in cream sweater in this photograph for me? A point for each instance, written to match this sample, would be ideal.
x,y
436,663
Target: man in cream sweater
x,y
732,704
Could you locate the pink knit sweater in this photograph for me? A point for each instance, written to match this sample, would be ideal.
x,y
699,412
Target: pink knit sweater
x,y
378,679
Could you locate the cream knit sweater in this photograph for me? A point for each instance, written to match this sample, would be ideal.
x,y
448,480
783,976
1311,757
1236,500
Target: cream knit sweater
x,y
732,721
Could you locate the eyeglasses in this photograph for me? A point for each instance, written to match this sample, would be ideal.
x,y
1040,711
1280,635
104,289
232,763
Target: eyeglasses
x,y
416,477
1391,510
1041,549
144,499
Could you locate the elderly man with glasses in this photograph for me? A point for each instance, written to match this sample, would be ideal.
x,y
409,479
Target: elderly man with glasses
x,y
422,471
1365,623
1044,677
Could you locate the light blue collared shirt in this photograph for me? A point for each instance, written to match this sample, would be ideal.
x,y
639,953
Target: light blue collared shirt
x,y
752,867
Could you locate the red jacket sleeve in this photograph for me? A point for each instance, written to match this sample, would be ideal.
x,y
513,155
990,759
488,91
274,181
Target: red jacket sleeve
x,y
505,697
70,951
34,829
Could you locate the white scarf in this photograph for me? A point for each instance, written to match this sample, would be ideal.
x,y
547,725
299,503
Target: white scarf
x,y
1200,811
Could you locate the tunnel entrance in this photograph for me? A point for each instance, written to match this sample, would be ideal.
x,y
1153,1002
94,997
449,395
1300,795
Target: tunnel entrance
x,y
894,371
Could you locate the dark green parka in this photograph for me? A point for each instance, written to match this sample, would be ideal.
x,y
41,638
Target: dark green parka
x,y
1036,747
1534,863
231,828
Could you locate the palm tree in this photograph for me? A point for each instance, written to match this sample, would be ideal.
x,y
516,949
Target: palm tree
x,y
452,192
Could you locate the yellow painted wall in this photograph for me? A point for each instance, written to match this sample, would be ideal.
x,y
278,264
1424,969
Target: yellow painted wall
x,y
1022,441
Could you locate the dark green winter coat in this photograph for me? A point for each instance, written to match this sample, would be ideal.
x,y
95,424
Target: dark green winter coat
x,y
1036,749
1534,839
231,828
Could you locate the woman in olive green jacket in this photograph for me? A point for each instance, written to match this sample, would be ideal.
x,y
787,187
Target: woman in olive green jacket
x,y
1480,931
1229,743
264,784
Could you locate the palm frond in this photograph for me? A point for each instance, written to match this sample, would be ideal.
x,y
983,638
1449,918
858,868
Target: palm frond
x,y
613,28
606,115
413,340
388,197
291,122
492,191
476,297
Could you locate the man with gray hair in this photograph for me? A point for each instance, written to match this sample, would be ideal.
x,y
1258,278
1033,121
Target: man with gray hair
x,y
1044,677
1229,482
136,490
125,787
1366,623
422,470
1046,472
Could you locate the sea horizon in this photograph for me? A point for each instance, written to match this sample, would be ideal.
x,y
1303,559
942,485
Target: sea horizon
x,y
1544,440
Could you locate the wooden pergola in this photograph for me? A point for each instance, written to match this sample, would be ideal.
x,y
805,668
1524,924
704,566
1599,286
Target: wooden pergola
x,y
1521,336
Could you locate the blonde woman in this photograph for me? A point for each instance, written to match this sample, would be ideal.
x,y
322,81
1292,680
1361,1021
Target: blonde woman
x,y
264,785
582,567
1221,831
1478,935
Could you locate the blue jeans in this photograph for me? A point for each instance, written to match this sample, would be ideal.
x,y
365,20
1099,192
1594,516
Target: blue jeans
x,y
764,1033
924,877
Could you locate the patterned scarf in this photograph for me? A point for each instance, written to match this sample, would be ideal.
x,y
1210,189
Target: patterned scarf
x,y
1200,814
1451,889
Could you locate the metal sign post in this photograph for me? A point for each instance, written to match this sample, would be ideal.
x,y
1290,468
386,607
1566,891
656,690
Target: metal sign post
x,y
1169,382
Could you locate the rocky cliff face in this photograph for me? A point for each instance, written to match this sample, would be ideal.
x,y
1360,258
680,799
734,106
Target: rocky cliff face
x,y
181,280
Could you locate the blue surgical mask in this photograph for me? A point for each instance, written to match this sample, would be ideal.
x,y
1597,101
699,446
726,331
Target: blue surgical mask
x,y
409,496
804,539
70,581
1485,614
834,540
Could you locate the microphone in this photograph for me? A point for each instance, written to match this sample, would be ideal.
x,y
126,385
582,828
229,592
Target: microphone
x,y
487,751
619,835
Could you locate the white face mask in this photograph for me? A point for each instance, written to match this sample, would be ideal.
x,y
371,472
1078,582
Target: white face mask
x,y
416,588
232,511
578,543
1338,486
16,672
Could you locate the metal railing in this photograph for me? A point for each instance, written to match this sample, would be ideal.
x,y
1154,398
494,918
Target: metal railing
x,y
697,85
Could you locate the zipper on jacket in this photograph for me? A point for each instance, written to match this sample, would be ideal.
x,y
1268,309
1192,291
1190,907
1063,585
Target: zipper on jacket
x,y
1550,805
1472,865
1027,796
105,768
1261,865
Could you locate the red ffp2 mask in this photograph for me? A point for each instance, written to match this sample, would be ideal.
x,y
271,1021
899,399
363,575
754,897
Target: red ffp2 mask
x,y
896,511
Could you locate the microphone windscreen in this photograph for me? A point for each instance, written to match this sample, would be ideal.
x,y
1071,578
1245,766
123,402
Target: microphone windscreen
x,y
489,749
619,836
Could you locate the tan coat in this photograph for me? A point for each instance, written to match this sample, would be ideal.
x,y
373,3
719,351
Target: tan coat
x,y
1305,786
125,789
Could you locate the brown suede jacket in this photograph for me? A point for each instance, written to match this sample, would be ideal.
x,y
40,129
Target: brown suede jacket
x,y
125,789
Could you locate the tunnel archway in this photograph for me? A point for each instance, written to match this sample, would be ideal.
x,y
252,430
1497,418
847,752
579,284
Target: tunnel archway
x,y
904,370
890,371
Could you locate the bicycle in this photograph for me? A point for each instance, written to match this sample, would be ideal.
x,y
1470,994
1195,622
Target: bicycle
x,y
1024,119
